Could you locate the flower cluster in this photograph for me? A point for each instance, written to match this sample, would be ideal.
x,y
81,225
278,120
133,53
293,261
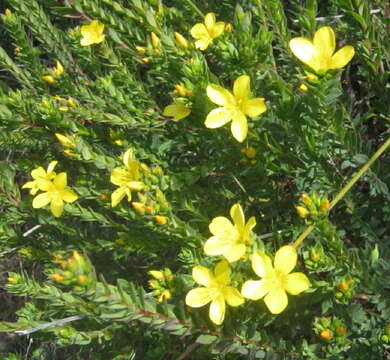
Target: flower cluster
x,y
230,241
162,284
313,206
54,187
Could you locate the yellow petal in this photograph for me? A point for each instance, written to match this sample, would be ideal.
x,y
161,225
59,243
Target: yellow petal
x,y
119,176
177,111
254,107
38,172
215,246
203,43
44,184
222,272
302,48
296,283
261,264
41,200
199,31
324,41
223,228
285,259
255,290
241,87
219,95
86,41
135,185
239,127
51,166
276,301
232,296
234,252
342,57
217,118
217,29
209,20
69,196
202,275
60,180
248,228
117,196
217,310
128,157
199,297
238,216
57,207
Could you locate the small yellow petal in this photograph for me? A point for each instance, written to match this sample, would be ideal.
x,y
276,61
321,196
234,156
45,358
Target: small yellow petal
x,y
215,246
199,31
254,107
239,127
60,180
202,275
57,207
241,87
217,30
324,41
217,310
199,297
69,196
117,196
217,118
41,200
222,272
209,20
285,259
276,301
219,95
342,57
261,264
203,43
296,283
234,252
232,296
255,290
238,216
177,111
223,228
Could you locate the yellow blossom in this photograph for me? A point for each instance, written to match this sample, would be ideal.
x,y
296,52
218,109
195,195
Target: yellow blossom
x,y
302,211
127,178
319,54
276,280
158,275
303,88
63,108
55,193
234,107
326,334
181,40
214,289
177,111
92,33
40,173
207,32
229,240
161,220
65,141
180,89
48,78
57,277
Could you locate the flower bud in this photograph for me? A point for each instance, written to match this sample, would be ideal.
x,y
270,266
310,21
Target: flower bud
x,y
311,77
65,141
138,207
57,277
81,278
161,220
324,206
228,27
340,330
314,256
303,88
48,78
180,89
305,199
140,49
343,286
165,295
180,39
302,212
326,334
155,40
158,275
250,152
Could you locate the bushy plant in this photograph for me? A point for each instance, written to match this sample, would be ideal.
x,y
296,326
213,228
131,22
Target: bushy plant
x,y
183,179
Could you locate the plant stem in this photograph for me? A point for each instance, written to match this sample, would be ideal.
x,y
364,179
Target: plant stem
x,y
190,3
346,188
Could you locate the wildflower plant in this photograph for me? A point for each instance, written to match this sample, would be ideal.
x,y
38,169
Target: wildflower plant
x,y
180,239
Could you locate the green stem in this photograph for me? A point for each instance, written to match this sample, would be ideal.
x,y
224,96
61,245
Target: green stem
x,y
190,3
346,188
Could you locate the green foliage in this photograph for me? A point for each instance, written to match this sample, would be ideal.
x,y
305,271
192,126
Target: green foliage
x,y
111,97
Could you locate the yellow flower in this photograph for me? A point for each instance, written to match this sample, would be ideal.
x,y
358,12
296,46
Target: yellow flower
x,y
64,141
207,32
177,111
229,240
92,33
40,173
158,275
276,280
319,53
181,40
214,289
127,178
234,107
55,193
165,295
59,69
302,211
161,220
48,78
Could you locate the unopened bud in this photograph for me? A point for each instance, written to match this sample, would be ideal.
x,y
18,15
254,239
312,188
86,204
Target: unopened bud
x,y
158,275
325,204
343,286
314,256
57,277
302,212
180,89
180,39
326,334
311,77
165,295
155,40
228,27
138,207
161,220
341,330
303,88
65,141
250,152
140,49
81,279
48,78
305,199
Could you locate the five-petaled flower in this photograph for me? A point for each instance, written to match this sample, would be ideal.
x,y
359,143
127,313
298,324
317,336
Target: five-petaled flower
x,y
234,107
229,240
92,33
177,111
40,173
319,53
276,280
55,193
207,32
214,289
127,178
